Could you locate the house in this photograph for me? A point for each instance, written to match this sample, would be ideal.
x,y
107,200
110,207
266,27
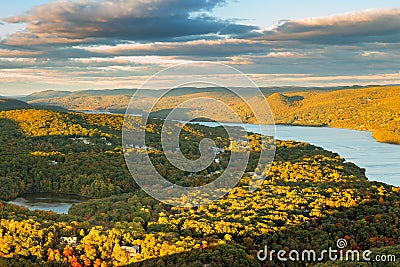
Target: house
x,y
69,240
53,162
132,251
86,141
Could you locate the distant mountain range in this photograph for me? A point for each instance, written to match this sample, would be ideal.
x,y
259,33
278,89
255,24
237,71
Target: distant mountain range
x,y
56,94
116,100
375,108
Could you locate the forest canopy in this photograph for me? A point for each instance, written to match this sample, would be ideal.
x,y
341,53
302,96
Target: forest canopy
x,y
310,198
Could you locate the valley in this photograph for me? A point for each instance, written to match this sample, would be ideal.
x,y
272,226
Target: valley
x,y
373,109
310,198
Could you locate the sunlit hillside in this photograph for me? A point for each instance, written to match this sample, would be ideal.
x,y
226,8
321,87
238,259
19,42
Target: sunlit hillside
x,y
310,198
375,109
372,109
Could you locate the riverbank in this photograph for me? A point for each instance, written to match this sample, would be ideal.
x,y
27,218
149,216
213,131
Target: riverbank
x,y
380,160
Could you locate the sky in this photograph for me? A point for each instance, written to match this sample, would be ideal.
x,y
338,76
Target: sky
x,y
102,44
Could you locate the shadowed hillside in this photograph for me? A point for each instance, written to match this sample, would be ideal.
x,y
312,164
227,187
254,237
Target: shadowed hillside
x,y
10,104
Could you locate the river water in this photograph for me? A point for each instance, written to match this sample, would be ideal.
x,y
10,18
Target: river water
x,y
381,160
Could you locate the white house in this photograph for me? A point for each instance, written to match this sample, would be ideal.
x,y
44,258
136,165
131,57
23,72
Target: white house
x,y
132,251
70,240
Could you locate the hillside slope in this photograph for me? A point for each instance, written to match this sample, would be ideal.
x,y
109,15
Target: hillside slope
x,y
374,109
10,104
371,109
310,198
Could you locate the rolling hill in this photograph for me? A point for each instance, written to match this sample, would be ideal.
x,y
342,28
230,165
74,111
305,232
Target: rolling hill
x,y
118,99
310,198
10,104
375,109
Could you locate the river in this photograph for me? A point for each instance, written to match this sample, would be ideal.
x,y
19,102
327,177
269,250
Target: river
x,y
381,160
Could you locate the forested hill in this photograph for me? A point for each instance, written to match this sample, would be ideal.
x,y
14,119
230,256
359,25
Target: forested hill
x,y
118,99
310,198
10,104
371,109
14,104
375,109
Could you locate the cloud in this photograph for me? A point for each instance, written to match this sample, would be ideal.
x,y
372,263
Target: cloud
x,y
133,60
365,26
373,54
17,53
284,54
85,21
80,44
205,48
